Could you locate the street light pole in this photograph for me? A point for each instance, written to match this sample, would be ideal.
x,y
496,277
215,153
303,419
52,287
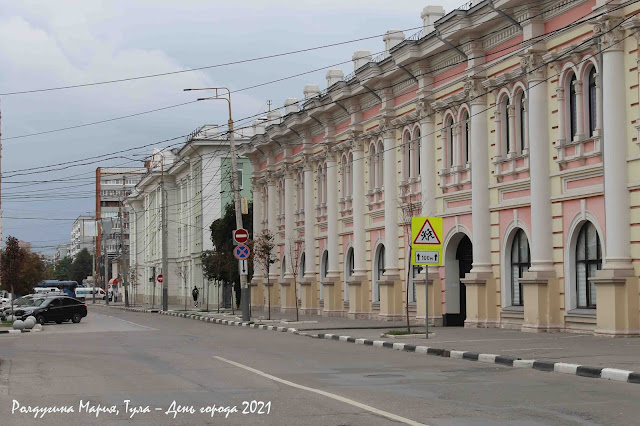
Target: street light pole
x,y
236,191
165,243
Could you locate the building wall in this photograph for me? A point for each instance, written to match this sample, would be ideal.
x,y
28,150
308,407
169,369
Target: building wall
x,y
523,169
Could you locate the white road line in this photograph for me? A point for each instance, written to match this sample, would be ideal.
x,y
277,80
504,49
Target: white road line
x,y
133,323
324,393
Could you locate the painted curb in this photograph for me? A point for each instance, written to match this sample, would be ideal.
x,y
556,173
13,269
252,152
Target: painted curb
x,y
508,361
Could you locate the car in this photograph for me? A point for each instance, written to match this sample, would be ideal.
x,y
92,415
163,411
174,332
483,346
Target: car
x,y
54,308
19,302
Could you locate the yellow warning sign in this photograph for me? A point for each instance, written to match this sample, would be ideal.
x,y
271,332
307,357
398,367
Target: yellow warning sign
x,y
426,237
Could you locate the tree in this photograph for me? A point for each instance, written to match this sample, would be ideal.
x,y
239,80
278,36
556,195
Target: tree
x,y
62,271
263,247
10,264
295,251
33,271
82,266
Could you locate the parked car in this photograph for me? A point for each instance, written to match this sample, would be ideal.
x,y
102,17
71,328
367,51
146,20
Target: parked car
x,y
19,302
54,308
84,293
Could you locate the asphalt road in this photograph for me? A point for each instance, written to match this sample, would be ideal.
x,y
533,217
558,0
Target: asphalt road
x,y
153,360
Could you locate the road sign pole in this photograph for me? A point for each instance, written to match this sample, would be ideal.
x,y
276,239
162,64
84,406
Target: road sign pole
x,y
426,292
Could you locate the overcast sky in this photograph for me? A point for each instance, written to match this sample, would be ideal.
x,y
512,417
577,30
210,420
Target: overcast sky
x,y
51,43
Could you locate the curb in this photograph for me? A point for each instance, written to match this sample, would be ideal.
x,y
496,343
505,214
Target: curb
x,y
507,361
18,331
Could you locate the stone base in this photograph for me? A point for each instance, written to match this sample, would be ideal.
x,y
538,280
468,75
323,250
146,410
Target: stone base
x,y
334,313
360,315
617,312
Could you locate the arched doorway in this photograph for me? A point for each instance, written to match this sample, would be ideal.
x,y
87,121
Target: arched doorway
x,y
459,260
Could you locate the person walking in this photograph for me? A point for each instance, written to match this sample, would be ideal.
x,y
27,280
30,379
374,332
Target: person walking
x,y
195,292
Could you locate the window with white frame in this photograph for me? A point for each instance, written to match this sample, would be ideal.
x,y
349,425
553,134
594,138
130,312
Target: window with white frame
x,y
504,126
592,100
449,140
408,155
300,190
416,151
465,138
373,167
322,184
349,266
522,142
520,263
347,178
380,161
281,197
588,260
572,107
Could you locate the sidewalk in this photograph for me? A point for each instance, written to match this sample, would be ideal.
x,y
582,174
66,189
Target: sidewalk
x,y
622,353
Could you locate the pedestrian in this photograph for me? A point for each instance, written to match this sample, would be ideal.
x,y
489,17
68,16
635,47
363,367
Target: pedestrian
x,y
195,292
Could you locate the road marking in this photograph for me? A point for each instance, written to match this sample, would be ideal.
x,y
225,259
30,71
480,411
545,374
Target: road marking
x,y
324,393
133,323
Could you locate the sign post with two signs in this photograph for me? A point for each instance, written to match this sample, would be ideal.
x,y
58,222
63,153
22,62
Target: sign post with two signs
x,y
426,242
241,251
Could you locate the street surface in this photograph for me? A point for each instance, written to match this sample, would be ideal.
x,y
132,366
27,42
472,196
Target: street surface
x,y
153,360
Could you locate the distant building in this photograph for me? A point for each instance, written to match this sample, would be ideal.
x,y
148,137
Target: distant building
x,y
62,251
83,233
113,184
24,245
196,181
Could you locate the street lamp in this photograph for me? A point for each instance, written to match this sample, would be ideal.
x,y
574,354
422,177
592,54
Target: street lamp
x,y
226,95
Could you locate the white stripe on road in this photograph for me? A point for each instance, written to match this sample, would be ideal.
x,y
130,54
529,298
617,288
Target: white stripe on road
x,y
324,393
133,323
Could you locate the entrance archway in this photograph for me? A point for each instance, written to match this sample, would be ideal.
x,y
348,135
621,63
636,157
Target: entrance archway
x,y
458,262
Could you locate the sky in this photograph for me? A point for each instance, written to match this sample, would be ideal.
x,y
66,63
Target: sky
x,y
48,44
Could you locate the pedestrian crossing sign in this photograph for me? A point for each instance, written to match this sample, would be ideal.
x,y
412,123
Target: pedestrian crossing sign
x,y
426,240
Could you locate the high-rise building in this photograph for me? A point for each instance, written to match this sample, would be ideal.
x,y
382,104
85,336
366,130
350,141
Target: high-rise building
x,y
83,233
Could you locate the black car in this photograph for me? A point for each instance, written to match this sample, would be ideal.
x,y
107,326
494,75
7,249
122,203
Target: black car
x,y
54,308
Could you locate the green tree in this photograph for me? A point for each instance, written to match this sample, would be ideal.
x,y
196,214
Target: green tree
x,y
32,272
10,265
62,271
82,266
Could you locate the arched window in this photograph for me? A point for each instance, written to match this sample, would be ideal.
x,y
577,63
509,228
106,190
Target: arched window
x,y
417,143
300,188
380,153
303,265
593,103
450,141
504,126
324,184
465,135
379,273
283,266
573,108
373,166
345,178
521,121
325,264
588,261
520,263
350,173
321,185
349,266
408,156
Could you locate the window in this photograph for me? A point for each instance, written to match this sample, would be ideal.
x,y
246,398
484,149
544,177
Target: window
x,y
349,268
465,135
373,166
521,122
520,263
303,265
283,266
325,264
407,147
588,261
346,175
281,196
450,143
380,153
573,108
592,99
241,175
504,126
417,144
379,273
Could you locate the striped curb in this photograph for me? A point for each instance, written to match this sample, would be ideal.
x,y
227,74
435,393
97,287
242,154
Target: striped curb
x,y
508,361
558,367
18,331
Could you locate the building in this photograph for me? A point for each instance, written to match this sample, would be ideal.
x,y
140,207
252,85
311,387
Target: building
x,y
520,129
196,181
113,184
83,233
25,245
62,251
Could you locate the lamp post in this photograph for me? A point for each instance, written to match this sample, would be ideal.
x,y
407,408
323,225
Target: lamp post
x,y
236,187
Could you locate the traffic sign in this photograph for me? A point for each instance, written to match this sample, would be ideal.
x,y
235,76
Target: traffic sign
x,y
159,278
240,236
243,267
241,251
426,235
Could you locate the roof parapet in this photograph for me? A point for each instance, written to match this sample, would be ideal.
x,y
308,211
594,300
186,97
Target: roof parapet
x,y
333,76
430,15
291,105
360,58
311,90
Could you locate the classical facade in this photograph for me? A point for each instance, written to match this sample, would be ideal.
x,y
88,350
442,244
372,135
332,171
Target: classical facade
x,y
515,121
195,177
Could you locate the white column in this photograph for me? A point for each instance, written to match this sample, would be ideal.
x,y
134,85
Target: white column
x,y
257,221
427,164
541,232
309,223
391,227
272,207
618,248
332,214
479,146
289,221
358,202
579,111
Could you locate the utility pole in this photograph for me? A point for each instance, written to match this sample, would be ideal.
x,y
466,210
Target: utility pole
x,y
122,258
95,268
236,192
165,242
106,229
